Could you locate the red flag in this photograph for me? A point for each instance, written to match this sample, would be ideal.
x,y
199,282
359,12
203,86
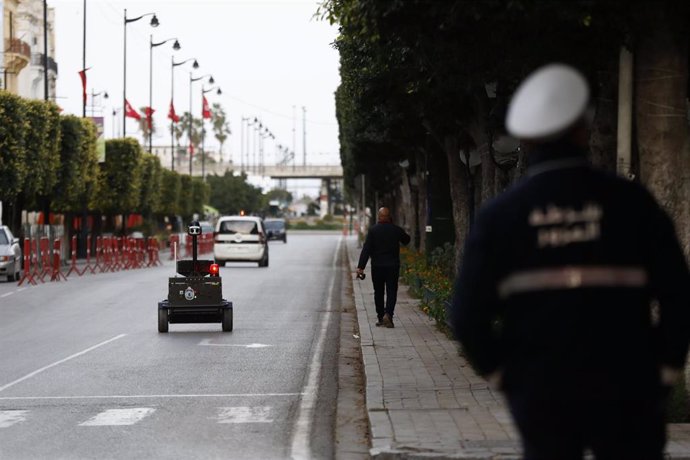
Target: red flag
x,y
148,111
205,111
191,149
82,75
130,112
171,113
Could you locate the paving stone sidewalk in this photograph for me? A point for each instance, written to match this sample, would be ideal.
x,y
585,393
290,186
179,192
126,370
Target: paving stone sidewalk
x,y
424,400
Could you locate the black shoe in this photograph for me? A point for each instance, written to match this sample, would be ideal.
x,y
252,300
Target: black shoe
x,y
379,323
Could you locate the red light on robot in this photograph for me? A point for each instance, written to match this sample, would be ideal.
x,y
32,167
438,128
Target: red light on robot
x,y
214,269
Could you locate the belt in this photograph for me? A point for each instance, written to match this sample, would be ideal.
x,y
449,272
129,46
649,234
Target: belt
x,y
572,278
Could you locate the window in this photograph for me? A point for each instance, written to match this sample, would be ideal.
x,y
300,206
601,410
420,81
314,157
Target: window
x,y
3,237
238,226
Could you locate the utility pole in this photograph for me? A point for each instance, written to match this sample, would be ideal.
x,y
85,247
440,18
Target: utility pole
x,y
304,136
294,133
45,49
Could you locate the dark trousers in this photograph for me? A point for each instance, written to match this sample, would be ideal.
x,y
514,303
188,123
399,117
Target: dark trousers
x,y
561,429
385,278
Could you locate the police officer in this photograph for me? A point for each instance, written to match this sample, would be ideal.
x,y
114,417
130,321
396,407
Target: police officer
x,y
573,293
383,246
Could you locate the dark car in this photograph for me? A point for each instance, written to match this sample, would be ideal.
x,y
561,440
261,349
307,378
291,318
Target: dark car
x,y
10,255
276,229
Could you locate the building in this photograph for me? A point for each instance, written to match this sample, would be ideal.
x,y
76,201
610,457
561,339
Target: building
x,y
22,61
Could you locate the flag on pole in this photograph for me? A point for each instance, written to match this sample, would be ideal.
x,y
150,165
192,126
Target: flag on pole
x,y
205,110
148,111
191,149
82,75
171,113
130,112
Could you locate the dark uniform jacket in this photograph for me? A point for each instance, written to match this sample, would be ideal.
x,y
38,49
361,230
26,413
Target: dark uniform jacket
x,y
383,246
557,280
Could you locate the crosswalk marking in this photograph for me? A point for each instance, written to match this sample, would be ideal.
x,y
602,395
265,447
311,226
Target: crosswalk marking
x,y
115,417
258,414
11,417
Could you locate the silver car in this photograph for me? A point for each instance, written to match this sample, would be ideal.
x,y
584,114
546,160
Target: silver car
x,y
10,255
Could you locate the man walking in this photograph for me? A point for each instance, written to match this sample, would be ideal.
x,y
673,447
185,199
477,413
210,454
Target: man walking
x,y
573,292
383,246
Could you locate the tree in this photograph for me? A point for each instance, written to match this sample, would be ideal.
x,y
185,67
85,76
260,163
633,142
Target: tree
x,y
120,178
231,194
185,204
78,173
168,204
200,195
13,127
150,190
42,158
221,127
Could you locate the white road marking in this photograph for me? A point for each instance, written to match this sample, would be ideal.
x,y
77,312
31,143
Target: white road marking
x,y
302,428
12,417
258,414
190,396
56,363
21,289
7,294
119,417
208,343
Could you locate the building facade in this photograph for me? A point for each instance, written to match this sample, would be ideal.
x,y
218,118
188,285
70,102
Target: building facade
x,y
23,61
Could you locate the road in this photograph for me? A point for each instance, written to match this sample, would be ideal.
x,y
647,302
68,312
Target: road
x,y
85,374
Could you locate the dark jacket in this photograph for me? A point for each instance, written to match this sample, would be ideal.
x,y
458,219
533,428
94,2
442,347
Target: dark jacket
x,y
383,246
557,279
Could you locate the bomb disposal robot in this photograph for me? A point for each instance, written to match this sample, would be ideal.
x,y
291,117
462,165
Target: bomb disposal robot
x,y
197,295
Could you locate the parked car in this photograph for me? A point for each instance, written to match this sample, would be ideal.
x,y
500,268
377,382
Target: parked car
x,y
240,239
10,255
276,229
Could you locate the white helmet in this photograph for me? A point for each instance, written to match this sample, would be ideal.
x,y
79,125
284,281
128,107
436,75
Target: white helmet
x,y
547,103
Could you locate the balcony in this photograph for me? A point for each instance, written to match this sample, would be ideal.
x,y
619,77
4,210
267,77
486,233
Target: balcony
x,y
37,60
17,54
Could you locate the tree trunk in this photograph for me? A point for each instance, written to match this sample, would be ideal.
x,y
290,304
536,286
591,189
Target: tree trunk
x,y
661,77
422,197
460,194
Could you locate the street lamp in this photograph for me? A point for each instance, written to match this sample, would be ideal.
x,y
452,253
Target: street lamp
x,y
189,132
93,98
154,23
203,132
174,64
176,46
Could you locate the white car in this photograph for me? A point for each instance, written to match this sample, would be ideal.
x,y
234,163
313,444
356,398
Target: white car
x,y
10,255
240,239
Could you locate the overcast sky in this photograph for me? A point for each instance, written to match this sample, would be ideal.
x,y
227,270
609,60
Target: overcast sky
x,y
266,55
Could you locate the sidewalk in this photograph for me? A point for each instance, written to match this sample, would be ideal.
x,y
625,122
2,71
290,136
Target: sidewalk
x,y
425,401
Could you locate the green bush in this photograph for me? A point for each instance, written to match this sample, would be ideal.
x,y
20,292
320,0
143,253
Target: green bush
x,y
13,127
120,177
428,282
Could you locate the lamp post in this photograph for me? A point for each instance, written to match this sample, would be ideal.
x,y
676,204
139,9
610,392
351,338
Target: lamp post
x,y
203,131
93,98
189,132
154,23
152,45
174,64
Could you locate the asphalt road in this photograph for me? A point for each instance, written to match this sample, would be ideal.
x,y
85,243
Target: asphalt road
x,y
85,374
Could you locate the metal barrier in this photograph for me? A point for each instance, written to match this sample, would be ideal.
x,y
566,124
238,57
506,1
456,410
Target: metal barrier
x,y
57,274
27,276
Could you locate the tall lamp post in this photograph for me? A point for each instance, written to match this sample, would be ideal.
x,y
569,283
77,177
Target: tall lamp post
x,y
203,131
152,45
93,98
189,132
172,99
154,23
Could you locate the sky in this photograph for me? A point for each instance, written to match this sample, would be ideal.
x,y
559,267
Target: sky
x,y
269,57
